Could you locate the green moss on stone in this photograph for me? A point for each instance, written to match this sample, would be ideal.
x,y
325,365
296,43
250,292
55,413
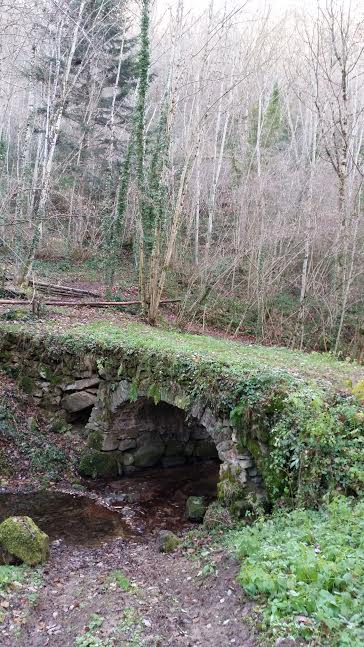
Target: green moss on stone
x,y
168,541
95,439
97,464
196,507
21,538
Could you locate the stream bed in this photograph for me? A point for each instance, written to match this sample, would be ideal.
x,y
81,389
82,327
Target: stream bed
x,y
137,506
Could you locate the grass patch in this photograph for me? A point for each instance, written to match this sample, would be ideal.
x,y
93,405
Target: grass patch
x,y
307,567
118,579
224,352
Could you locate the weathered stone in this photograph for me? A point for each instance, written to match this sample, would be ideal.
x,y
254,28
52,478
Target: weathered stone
x,y
78,401
197,409
196,507
128,459
128,443
120,395
222,434
224,446
20,538
167,541
86,383
245,463
189,448
98,464
109,443
149,454
208,420
131,469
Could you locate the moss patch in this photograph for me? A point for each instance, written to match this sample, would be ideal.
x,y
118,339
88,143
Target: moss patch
x,y
21,538
97,464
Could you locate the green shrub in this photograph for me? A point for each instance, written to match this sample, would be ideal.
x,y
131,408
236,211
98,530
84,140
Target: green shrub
x,y
309,567
50,460
317,447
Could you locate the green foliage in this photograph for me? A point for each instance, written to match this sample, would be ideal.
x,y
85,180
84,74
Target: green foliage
x,y
272,127
121,581
49,459
90,637
316,446
44,457
308,566
11,574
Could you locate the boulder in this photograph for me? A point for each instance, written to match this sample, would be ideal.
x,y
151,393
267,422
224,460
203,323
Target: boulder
x,y
21,539
97,464
167,541
195,508
78,401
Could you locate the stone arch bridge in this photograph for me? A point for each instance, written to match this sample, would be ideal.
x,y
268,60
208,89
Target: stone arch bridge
x,y
153,398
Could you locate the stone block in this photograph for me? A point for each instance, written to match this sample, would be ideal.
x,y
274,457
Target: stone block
x,y
109,443
208,420
128,459
78,401
196,507
127,443
167,541
120,395
86,383
149,454
197,409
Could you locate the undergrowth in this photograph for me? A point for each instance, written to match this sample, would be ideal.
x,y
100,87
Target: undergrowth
x,y
24,435
306,567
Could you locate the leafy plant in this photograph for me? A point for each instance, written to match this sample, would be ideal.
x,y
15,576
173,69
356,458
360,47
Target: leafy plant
x,y
121,581
308,566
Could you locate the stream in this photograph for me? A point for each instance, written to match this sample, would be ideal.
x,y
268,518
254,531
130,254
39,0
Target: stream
x,y
137,506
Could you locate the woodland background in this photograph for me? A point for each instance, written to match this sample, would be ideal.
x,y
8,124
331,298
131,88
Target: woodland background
x,y
216,155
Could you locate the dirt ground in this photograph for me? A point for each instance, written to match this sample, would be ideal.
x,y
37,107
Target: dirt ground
x,y
169,601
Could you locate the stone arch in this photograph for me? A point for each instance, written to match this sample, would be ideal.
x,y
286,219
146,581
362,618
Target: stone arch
x,y
236,464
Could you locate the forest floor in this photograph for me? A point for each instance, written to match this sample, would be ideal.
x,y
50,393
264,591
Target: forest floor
x,y
129,594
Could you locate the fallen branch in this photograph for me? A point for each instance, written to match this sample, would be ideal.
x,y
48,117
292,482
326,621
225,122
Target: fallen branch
x,y
40,285
90,304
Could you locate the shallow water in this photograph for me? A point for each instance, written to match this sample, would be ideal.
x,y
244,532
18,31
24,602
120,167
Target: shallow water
x,y
136,506
73,518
